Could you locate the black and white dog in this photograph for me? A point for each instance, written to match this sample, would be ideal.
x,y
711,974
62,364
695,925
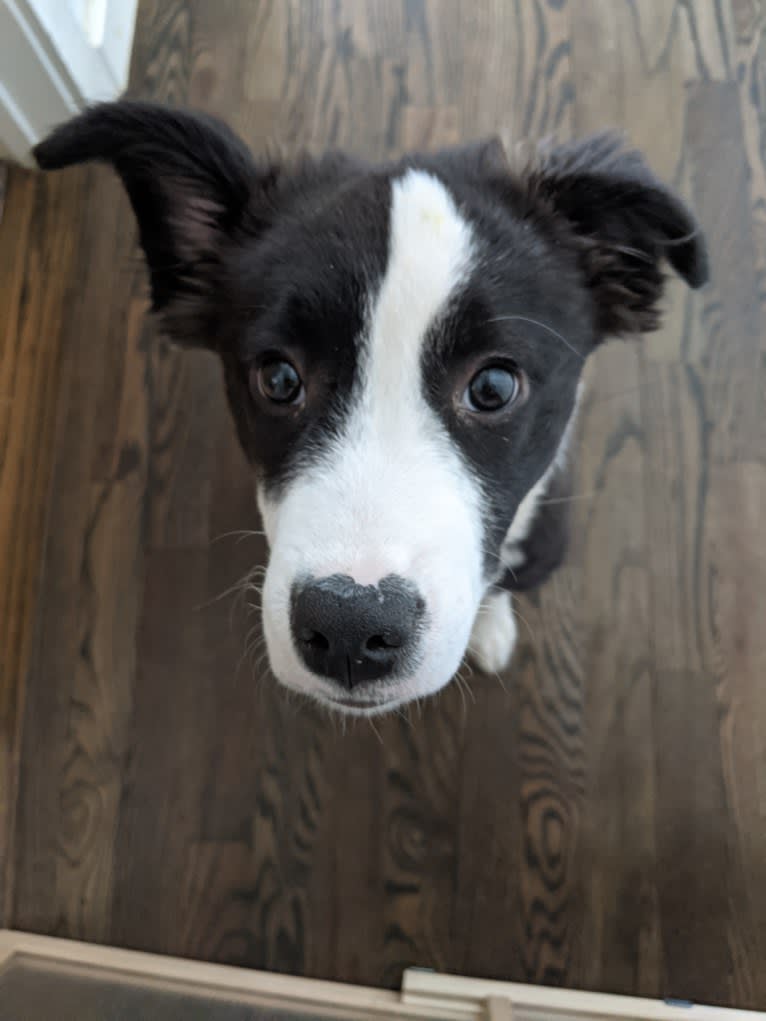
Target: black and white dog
x,y
402,347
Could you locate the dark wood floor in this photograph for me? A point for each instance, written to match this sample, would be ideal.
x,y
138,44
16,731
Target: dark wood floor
x,y
598,819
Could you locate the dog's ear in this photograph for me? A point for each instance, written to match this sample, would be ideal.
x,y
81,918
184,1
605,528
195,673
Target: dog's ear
x,y
626,223
191,183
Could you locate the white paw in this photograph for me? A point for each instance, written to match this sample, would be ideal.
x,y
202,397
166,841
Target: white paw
x,y
494,634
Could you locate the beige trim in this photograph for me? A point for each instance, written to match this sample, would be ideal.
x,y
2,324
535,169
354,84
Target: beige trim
x,y
218,981
424,994
498,1008
539,1003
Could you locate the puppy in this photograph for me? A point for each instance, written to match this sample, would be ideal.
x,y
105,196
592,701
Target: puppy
x,y
401,347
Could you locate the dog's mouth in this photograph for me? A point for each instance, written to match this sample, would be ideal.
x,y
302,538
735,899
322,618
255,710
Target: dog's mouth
x,y
360,706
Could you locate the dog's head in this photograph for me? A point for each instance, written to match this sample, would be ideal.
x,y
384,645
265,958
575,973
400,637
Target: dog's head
x,y
401,346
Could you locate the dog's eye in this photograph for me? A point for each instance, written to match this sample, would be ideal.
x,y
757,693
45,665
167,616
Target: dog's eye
x,y
492,388
278,381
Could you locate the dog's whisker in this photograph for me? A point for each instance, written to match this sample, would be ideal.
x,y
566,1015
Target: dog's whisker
x,y
262,660
500,681
252,649
633,253
255,634
239,586
465,686
683,240
459,684
376,732
242,659
403,713
258,646
569,499
543,326
240,533
494,673
496,588
524,621
254,631
255,665
474,651
499,558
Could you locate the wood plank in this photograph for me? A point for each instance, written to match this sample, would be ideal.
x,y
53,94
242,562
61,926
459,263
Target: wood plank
x,y
38,247
705,912
629,73
738,608
750,56
618,945
80,708
731,347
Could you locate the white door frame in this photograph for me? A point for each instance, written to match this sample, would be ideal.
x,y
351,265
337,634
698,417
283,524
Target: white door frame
x,y
55,57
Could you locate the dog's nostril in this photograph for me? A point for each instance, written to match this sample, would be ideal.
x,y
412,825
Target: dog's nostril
x,y
380,643
315,640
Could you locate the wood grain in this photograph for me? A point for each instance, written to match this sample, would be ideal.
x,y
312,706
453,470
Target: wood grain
x,y
596,816
94,553
34,285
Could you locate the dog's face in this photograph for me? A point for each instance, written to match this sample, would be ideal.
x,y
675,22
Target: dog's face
x,y
402,347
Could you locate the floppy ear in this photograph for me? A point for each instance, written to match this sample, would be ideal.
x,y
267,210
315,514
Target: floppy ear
x,y
626,222
190,181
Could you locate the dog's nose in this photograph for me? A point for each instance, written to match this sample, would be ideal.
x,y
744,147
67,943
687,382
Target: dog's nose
x,y
354,633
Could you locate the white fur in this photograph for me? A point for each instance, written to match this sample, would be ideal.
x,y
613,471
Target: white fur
x,y
392,494
494,633
511,554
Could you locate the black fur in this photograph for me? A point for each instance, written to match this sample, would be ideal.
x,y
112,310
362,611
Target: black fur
x,y
626,222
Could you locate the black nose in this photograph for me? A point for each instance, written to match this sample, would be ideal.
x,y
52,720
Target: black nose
x,y
354,633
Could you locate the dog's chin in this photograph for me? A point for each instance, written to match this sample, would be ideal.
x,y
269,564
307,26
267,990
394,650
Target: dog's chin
x,y
348,705
358,707
365,703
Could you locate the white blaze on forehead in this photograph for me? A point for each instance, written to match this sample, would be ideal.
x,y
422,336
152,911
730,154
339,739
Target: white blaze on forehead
x,y
429,255
393,436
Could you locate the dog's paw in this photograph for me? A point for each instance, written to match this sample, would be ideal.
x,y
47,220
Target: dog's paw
x,y
494,634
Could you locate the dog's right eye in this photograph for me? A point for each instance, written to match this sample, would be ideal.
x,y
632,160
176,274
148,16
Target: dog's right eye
x,y
278,381
492,389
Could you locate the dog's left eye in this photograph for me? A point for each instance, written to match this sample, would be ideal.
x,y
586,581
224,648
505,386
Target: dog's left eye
x,y
278,381
492,388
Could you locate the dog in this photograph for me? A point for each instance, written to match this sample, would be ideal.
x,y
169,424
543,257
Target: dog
x,y
402,347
